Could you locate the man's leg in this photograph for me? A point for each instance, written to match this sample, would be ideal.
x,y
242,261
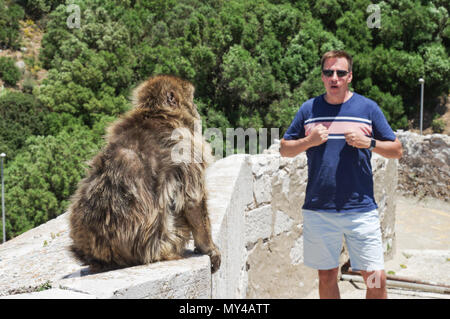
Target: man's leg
x,y
328,286
322,245
376,284
364,242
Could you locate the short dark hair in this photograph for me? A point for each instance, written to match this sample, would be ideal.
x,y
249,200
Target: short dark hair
x,y
338,54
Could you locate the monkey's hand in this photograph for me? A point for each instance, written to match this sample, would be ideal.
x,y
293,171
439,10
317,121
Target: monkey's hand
x,y
214,256
215,260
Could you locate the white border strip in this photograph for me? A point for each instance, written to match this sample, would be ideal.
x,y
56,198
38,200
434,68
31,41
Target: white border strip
x,y
331,118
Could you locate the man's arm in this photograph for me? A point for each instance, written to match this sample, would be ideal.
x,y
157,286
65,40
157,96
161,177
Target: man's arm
x,y
388,149
291,148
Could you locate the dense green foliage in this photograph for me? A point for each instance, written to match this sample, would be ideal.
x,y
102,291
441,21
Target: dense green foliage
x,y
9,72
253,63
37,8
43,176
9,24
21,116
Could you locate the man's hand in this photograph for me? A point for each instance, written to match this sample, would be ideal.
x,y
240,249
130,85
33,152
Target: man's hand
x,y
357,139
291,148
318,135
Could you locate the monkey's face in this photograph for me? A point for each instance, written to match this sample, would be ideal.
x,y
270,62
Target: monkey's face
x,y
186,100
197,115
193,106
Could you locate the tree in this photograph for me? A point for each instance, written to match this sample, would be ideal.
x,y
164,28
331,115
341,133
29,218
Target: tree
x,y
9,25
80,88
21,116
37,8
436,69
9,72
42,177
352,29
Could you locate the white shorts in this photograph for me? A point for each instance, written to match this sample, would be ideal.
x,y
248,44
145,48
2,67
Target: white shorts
x,y
322,239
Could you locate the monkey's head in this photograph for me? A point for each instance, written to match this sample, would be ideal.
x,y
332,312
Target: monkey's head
x,y
166,94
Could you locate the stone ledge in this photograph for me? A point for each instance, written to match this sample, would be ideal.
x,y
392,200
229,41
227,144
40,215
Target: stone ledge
x,y
51,294
185,278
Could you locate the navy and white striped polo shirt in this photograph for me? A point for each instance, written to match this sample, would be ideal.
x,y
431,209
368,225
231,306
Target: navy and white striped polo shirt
x,y
340,176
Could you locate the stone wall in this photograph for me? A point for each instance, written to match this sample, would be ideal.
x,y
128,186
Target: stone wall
x,y
254,204
424,169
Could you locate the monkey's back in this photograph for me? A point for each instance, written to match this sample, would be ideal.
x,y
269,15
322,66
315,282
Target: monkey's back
x,y
115,216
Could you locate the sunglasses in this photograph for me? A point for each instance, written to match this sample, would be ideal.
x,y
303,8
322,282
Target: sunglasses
x,y
340,73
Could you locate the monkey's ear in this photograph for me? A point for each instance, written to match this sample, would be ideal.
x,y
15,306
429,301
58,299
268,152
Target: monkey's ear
x,y
171,99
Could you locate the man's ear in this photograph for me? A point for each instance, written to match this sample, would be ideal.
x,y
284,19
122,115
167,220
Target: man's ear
x,y
171,99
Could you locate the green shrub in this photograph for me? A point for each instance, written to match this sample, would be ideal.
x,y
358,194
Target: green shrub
x,y
438,125
28,84
9,72
42,177
38,8
21,116
9,25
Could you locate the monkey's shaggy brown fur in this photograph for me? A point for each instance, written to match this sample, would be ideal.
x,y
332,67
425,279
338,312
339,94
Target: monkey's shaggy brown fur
x,y
137,205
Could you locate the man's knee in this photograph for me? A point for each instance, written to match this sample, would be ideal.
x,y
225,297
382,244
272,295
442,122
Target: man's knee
x,y
375,279
328,275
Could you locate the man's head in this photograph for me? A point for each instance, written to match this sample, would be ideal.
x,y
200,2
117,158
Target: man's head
x,y
336,72
338,54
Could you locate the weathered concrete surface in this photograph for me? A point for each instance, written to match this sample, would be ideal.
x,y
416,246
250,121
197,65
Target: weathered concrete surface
x,y
40,257
229,188
36,257
423,239
184,278
385,179
423,223
51,294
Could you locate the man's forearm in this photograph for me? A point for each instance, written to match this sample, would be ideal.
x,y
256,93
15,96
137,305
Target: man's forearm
x,y
389,149
291,148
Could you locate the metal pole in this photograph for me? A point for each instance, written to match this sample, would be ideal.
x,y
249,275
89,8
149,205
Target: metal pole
x,y
2,155
402,284
421,81
400,278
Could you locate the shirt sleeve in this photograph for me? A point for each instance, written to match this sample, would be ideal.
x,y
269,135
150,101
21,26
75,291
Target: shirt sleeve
x,y
380,127
296,130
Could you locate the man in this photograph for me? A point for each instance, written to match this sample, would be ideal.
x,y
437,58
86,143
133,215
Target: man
x,y
339,130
